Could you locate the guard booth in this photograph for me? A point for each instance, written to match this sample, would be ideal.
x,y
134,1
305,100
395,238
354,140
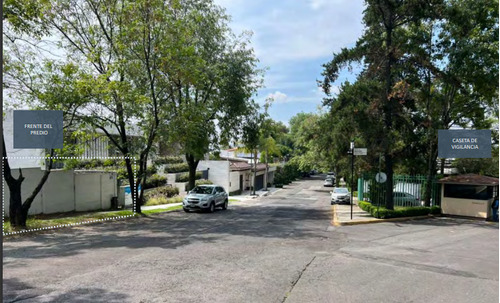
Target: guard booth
x,y
468,195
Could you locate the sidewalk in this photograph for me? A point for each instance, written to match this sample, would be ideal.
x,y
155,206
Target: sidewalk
x,y
247,195
342,215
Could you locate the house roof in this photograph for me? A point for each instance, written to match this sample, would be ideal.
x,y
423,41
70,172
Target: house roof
x,y
470,179
238,166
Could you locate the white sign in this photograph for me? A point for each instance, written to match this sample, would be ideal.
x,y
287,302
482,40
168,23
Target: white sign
x,y
360,151
380,177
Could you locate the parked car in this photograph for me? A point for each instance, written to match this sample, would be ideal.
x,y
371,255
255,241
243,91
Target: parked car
x,y
328,182
330,175
405,199
340,195
205,197
400,199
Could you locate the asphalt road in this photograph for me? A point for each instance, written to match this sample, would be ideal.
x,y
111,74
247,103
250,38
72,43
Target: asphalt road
x,y
280,248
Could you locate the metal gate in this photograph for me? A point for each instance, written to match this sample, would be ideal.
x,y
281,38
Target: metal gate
x,y
407,190
259,182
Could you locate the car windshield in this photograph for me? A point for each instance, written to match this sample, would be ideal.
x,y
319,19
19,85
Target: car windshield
x,y
328,180
202,190
341,191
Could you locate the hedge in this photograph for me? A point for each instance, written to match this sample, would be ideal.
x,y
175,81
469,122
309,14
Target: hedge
x,y
185,177
155,181
384,213
168,160
235,193
177,168
168,191
203,181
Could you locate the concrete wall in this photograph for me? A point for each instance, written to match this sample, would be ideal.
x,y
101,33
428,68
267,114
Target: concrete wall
x,y
218,171
235,181
465,207
66,191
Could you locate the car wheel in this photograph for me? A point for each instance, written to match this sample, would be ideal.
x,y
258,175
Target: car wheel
x,y
211,208
224,206
331,203
185,209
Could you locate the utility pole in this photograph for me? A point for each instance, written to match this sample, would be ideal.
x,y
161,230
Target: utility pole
x,y
352,175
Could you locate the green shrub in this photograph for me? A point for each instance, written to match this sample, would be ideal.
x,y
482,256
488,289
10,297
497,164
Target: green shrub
x,y
155,181
169,160
185,177
151,170
177,168
235,192
162,191
122,174
435,210
366,206
109,162
384,213
203,181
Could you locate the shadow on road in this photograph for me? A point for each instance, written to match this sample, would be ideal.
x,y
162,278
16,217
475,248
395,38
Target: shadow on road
x,y
172,230
16,291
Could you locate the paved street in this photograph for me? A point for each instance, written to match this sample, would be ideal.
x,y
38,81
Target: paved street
x,y
279,248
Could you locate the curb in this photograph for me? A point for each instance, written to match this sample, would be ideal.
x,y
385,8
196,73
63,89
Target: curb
x,y
336,222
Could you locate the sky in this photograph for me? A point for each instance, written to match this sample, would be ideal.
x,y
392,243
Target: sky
x,y
293,39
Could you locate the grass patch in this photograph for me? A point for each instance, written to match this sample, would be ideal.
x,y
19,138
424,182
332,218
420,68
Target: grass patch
x,y
161,210
40,221
163,200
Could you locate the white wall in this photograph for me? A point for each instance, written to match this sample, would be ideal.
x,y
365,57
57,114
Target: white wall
x,y
235,181
66,191
465,207
218,171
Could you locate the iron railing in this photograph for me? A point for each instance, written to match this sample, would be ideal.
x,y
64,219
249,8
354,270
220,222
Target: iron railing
x,y
407,190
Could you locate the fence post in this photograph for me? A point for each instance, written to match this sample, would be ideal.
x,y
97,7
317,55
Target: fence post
x,y
360,189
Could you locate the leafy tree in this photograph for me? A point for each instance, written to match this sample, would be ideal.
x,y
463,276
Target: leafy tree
x,y
251,137
425,66
216,79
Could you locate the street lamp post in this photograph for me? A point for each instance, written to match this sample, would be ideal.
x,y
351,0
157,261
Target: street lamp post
x,y
352,174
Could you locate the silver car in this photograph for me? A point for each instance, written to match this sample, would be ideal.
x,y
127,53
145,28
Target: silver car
x,y
205,197
341,195
328,182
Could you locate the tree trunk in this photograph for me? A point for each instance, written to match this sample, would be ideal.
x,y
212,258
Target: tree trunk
x,y
266,173
388,110
18,211
193,164
431,172
254,171
132,181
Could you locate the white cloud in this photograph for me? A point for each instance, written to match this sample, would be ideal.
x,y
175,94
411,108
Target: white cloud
x,y
278,97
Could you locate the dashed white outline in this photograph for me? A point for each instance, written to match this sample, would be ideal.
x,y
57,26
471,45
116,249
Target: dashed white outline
x,y
70,224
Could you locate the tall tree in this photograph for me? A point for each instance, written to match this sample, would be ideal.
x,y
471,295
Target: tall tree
x,y
215,80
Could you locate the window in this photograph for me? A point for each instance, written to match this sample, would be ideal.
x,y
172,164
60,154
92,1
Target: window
x,y
475,192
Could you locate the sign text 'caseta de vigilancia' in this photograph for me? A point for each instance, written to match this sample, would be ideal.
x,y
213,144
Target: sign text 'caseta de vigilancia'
x,y
464,143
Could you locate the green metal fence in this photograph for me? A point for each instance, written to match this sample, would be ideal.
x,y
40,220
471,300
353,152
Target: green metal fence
x,y
407,190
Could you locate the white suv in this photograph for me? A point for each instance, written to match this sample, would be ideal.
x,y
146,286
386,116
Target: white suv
x,y
205,197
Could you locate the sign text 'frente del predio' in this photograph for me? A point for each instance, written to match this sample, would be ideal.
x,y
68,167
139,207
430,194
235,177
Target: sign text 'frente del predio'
x,y
38,129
